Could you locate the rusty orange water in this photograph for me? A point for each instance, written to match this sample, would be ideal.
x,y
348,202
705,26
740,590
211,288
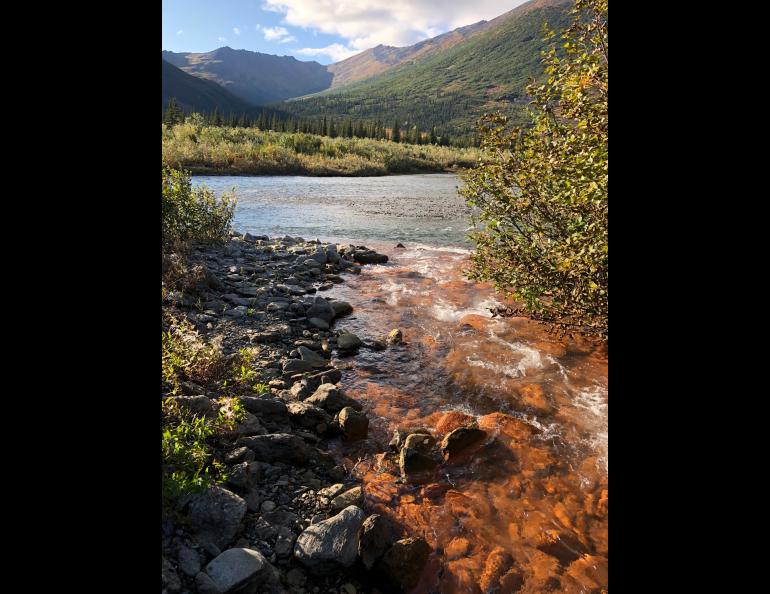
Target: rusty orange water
x,y
527,509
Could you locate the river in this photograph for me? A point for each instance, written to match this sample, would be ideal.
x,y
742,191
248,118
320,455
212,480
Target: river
x,y
526,510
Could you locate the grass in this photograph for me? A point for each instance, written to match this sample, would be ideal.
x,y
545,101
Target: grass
x,y
190,462
248,151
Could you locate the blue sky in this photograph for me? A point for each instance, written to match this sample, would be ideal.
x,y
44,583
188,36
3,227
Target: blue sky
x,y
323,30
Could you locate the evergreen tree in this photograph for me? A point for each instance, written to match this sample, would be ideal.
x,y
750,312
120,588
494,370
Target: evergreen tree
x,y
396,136
433,134
173,114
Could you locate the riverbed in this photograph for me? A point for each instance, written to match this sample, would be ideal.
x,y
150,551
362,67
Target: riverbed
x,y
525,511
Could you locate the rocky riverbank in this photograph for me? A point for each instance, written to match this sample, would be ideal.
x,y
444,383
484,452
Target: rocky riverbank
x,y
288,518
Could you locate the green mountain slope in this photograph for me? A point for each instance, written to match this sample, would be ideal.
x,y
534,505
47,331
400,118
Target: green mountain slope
x,y
195,94
252,76
451,88
383,57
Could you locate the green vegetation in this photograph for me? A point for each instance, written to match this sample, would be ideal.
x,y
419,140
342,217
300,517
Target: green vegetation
x,y
543,191
189,463
214,149
451,89
193,215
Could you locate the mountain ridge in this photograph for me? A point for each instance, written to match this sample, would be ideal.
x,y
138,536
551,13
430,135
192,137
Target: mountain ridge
x,y
197,94
253,76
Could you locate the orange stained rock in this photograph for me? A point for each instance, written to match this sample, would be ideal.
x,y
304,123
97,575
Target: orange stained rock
x,y
507,425
533,396
511,582
460,577
497,564
540,568
589,572
456,548
561,513
475,321
453,420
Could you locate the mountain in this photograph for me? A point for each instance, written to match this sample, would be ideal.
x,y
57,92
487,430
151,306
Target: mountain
x,y
383,57
252,76
451,87
196,94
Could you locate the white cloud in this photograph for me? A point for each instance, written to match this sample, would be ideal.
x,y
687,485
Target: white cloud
x,y
179,32
236,30
335,51
288,39
366,23
222,39
275,33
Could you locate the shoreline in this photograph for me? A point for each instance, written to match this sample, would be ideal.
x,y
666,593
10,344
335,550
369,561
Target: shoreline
x,y
285,500
217,171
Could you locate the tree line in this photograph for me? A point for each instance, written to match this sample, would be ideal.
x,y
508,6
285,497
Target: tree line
x,y
277,121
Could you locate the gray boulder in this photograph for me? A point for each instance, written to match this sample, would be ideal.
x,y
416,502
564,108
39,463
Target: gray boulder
x,y
306,415
330,398
322,309
278,447
340,308
404,561
354,496
237,567
312,357
296,366
326,546
377,534
215,516
348,342
189,560
354,424
318,323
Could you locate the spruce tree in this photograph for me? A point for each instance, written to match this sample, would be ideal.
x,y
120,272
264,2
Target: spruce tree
x,y
396,136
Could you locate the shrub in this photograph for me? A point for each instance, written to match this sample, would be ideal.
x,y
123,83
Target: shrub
x,y
189,465
193,214
185,357
542,191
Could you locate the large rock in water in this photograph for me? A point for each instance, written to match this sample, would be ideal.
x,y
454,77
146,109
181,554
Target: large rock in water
x,y
330,398
237,567
215,516
403,562
376,536
400,435
354,424
341,308
278,447
322,309
415,454
312,357
347,342
331,544
459,439
369,257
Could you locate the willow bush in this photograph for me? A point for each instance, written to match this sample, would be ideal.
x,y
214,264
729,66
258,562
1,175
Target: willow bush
x,y
193,214
541,191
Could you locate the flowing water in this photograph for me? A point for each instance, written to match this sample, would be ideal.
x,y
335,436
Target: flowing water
x,y
526,509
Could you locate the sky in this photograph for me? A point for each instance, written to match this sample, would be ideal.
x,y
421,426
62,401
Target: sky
x,y
326,31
